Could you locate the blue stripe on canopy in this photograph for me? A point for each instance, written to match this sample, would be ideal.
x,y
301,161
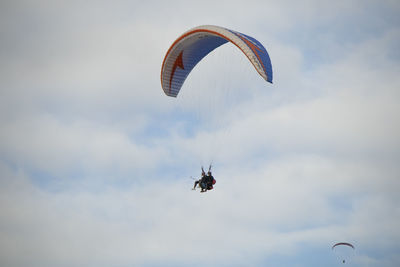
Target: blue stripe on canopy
x,y
192,55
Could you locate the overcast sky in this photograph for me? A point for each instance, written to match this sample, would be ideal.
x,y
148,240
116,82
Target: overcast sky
x,y
96,161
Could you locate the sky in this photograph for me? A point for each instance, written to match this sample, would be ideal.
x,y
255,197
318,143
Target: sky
x,y
97,163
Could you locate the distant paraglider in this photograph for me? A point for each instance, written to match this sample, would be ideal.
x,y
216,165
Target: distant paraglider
x,y
192,46
343,244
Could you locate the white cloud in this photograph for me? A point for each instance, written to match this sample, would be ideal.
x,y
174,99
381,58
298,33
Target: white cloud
x,y
271,210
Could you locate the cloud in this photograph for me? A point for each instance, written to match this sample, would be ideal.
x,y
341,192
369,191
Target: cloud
x,y
273,210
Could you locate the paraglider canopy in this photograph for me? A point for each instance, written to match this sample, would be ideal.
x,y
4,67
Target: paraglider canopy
x,y
192,46
343,244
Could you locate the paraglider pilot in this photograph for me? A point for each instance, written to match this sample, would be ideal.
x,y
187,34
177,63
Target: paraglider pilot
x,y
200,181
210,181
